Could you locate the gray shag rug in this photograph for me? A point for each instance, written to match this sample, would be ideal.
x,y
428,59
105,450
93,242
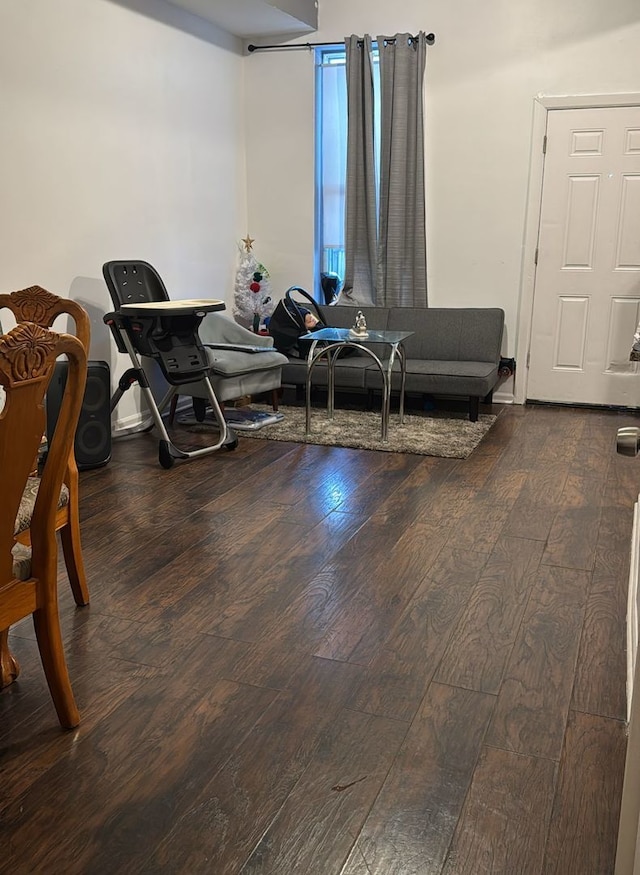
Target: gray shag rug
x,y
448,435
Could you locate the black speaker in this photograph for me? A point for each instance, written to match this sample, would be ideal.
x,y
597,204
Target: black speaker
x,y
93,434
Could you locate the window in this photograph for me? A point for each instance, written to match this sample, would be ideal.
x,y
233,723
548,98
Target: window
x,y
331,159
331,155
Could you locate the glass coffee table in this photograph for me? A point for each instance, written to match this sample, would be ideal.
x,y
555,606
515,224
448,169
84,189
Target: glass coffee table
x,y
328,343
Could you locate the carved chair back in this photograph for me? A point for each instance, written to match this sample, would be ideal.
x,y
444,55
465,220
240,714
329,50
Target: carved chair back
x,y
27,358
37,305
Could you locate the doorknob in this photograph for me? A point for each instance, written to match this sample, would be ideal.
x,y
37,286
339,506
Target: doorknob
x,y
628,441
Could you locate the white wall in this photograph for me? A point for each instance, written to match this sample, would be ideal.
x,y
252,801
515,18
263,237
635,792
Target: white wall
x,y
121,137
488,63
131,129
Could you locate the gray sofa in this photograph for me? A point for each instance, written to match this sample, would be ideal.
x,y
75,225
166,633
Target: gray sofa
x,y
453,351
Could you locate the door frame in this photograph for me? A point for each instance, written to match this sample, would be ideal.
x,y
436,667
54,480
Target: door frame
x,y
542,104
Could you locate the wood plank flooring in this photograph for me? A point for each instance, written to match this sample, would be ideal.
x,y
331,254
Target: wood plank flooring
x,y
327,661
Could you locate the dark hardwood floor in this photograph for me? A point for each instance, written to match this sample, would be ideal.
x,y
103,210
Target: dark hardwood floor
x,y
319,660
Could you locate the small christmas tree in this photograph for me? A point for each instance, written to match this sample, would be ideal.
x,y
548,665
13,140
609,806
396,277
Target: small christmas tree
x,y
253,297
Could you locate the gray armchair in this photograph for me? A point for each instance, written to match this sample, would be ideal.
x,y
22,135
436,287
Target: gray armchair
x,y
241,363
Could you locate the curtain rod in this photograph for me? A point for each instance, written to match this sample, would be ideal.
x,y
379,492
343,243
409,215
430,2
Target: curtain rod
x,y
430,38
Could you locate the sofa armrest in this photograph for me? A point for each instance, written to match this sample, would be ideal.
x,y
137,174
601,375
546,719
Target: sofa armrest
x,y
216,328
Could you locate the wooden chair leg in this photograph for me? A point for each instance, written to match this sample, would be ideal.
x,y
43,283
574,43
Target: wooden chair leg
x,y
72,551
200,408
275,397
9,667
172,409
47,626
71,543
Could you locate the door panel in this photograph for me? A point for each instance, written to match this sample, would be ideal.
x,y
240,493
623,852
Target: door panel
x,y
572,319
629,225
587,293
580,222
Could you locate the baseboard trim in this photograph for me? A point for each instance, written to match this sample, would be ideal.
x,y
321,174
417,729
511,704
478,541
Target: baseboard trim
x,y
130,423
503,398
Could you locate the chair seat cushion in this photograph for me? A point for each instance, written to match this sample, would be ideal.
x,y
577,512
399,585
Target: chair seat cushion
x,y
231,363
21,562
25,511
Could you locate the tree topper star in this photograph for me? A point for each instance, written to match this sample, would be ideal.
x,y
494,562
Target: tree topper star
x,y
248,243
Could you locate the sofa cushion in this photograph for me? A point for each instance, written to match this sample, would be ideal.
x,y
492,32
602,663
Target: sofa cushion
x,y
349,372
439,377
451,334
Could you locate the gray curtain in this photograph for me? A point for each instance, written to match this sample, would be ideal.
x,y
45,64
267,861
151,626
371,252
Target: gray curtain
x,y
402,257
396,236
360,203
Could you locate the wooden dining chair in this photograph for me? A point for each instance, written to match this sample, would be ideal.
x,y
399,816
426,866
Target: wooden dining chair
x,y
37,305
29,575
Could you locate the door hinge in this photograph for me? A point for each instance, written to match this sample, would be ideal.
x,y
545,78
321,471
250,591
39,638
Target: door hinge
x,y
535,257
528,358
544,145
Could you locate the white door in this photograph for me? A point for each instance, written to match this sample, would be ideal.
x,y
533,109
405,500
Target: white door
x,y
587,291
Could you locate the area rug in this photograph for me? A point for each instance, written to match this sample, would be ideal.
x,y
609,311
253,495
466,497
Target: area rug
x,y
447,435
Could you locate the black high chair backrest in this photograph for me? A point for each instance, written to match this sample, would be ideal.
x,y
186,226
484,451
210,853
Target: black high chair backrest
x,y
133,282
170,338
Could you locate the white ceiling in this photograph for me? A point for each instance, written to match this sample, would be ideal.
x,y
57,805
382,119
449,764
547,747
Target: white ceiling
x,y
245,18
